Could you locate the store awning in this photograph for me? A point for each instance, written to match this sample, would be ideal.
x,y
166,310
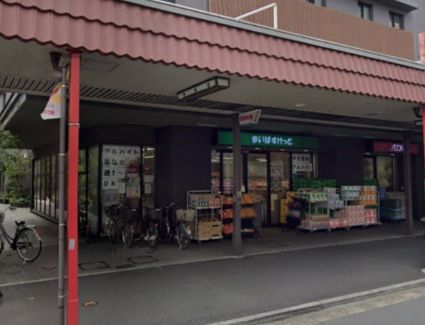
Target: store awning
x,y
159,33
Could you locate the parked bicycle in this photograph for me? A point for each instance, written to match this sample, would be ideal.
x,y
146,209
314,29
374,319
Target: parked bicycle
x,y
147,230
173,227
124,225
26,241
115,228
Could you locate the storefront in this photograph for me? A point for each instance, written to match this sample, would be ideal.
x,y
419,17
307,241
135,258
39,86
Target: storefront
x,y
166,164
271,164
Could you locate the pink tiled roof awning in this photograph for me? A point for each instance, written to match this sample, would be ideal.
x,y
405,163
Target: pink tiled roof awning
x,y
124,29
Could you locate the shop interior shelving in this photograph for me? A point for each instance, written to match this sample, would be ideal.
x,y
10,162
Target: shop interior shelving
x,y
208,208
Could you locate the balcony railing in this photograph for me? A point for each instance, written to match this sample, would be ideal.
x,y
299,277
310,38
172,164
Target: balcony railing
x,y
301,17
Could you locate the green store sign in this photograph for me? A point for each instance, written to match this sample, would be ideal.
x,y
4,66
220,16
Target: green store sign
x,y
266,140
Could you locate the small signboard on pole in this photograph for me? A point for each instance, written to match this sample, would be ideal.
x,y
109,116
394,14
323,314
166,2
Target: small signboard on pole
x,y
250,117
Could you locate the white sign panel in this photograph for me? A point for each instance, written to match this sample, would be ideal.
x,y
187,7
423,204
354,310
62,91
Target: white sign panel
x,y
250,117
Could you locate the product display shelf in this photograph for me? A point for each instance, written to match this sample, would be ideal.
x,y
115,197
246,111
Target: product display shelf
x,y
248,214
208,208
367,207
317,215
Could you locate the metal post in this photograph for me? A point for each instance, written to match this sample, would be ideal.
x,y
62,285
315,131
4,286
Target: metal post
x,y
61,230
73,143
407,167
237,187
423,130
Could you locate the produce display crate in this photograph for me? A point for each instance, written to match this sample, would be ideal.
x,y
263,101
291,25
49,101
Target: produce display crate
x,y
208,230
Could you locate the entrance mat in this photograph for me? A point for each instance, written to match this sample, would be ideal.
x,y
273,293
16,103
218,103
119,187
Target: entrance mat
x,y
124,266
93,266
144,259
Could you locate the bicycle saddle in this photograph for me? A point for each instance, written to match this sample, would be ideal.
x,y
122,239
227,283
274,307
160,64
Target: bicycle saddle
x,y
20,223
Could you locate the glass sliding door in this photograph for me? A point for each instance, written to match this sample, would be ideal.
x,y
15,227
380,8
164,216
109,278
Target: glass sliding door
x,y
280,175
215,170
258,181
227,173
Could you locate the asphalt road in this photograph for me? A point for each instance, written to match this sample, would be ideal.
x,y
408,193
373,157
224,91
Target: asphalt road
x,y
410,313
201,293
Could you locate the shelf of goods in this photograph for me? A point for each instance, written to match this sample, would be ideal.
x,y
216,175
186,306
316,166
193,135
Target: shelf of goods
x,y
353,206
207,222
360,207
392,210
248,214
317,214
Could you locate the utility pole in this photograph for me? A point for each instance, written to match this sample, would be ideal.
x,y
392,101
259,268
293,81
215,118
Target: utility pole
x,y
62,224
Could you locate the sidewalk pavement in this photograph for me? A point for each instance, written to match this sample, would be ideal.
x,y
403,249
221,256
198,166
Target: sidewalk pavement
x,y
209,292
400,307
104,257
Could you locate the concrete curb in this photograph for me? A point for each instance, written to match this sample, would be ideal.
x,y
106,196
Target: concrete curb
x,y
280,314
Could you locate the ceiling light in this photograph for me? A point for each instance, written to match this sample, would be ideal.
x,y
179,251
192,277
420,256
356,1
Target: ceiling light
x,y
204,88
300,105
210,125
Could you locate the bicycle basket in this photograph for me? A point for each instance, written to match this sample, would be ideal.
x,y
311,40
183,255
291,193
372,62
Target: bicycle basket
x,y
154,214
185,215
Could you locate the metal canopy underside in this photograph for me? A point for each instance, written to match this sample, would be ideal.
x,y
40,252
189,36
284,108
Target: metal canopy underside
x,y
138,92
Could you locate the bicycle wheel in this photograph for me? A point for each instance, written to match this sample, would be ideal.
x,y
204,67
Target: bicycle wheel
x,y
152,236
113,230
183,239
28,245
127,235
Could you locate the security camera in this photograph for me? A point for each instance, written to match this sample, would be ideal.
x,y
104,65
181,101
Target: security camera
x,y
58,60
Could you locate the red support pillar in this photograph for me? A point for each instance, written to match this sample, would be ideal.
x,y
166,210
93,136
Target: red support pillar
x,y
72,221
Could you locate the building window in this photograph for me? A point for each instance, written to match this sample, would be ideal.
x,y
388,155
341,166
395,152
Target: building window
x,y
365,11
324,3
311,1
396,20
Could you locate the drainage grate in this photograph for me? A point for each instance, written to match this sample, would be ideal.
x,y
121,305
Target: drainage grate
x,y
92,266
144,259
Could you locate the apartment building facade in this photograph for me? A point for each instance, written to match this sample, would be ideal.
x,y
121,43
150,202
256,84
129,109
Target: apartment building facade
x,y
333,24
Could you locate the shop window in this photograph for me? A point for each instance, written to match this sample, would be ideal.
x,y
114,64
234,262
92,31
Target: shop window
x,y
53,186
149,177
48,197
43,186
302,165
385,167
82,182
93,188
215,170
369,168
121,179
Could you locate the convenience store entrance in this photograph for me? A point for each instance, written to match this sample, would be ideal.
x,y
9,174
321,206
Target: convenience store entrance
x,y
266,174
